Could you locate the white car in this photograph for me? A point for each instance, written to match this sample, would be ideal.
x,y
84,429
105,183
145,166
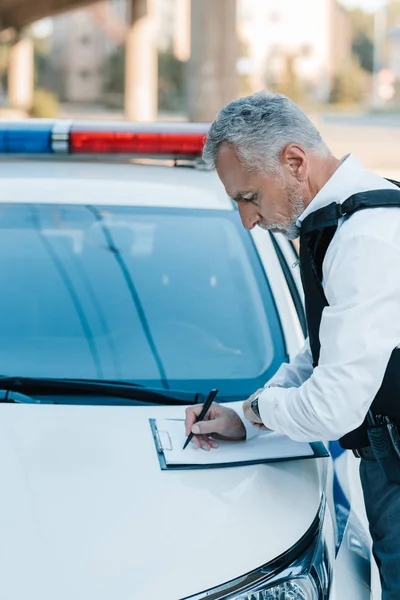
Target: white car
x,y
129,289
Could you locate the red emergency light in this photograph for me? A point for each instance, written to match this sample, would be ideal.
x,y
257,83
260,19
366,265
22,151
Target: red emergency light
x,y
180,140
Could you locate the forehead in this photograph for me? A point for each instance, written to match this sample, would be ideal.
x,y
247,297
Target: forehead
x,y
231,172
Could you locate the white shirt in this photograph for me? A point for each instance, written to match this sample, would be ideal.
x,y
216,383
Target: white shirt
x,y
359,329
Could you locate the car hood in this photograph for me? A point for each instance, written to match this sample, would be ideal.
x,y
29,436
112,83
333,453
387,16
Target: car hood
x,y
86,512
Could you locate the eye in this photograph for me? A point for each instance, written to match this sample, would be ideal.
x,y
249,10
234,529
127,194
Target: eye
x,y
252,198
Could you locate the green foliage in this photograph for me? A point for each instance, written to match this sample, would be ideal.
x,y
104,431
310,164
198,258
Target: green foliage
x,y
290,84
171,79
114,80
4,55
171,82
244,82
349,84
40,61
362,34
363,49
45,104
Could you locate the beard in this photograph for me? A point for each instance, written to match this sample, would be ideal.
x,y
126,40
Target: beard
x,y
297,206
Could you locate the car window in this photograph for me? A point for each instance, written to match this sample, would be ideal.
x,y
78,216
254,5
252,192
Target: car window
x,y
156,296
287,271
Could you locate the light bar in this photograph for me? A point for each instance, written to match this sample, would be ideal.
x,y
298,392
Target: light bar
x,y
138,139
156,140
139,144
26,137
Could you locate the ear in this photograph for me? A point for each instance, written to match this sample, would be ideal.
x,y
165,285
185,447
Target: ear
x,y
294,159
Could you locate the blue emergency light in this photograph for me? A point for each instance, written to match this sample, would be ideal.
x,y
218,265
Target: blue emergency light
x,y
26,137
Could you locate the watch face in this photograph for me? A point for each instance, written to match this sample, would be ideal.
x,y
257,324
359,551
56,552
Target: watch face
x,y
254,407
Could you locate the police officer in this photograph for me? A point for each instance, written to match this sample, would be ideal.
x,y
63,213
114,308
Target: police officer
x,y
276,167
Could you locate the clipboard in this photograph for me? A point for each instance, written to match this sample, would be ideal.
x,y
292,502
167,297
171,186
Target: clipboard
x,y
163,443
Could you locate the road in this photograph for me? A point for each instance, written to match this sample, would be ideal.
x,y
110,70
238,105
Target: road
x,y
374,139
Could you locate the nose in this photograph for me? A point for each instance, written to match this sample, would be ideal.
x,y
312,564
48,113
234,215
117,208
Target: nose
x,y
249,216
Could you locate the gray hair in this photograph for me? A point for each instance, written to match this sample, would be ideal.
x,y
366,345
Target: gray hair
x,y
259,127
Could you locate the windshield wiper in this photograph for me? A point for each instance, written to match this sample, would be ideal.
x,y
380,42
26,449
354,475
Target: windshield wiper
x,y
91,387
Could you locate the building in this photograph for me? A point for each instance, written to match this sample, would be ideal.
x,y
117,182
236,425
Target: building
x,y
82,41
280,37
281,41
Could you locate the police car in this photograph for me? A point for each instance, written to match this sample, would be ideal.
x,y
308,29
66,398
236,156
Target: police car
x,y
129,289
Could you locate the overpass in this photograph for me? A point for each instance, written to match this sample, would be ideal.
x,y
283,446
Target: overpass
x,y
211,73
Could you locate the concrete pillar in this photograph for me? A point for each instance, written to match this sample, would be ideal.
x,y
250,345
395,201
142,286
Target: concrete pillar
x,y
212,78
21,74
181,32
141,74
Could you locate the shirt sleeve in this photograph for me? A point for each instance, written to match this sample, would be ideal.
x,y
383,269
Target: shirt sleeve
x,y
359,330
251,430
296,372
290,374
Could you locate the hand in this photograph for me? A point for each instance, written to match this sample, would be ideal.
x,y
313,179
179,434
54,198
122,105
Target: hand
x,y
220,421
250,414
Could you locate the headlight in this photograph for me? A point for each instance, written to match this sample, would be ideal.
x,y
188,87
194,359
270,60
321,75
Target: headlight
x,y
302,573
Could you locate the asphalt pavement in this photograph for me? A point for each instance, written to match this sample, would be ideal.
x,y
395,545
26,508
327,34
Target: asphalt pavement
x,y
374,139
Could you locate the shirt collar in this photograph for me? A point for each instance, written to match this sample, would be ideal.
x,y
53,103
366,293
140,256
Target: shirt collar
x,y
338,188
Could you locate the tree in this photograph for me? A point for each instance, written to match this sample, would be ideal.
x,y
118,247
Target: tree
x,y
349,83
362,33
171,82
289,82
114,76
4,54
171,79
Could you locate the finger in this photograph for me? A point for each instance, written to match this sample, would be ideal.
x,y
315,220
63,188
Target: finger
x,y
196,441
207,427
201,441
191,417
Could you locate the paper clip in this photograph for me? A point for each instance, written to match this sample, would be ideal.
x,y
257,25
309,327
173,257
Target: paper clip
x,y
160,445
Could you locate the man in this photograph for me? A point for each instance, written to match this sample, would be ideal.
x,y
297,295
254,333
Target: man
x,y
274,164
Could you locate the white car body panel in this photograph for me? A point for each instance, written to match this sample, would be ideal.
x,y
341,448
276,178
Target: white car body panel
x,y
50,182
93,516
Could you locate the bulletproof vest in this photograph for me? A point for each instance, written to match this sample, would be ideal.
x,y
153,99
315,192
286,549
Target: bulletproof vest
x,y
317,231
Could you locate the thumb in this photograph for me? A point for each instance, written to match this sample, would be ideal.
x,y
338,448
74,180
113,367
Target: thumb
x,y
206,427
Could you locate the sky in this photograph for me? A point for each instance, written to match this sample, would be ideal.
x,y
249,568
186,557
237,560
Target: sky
x,y
367,5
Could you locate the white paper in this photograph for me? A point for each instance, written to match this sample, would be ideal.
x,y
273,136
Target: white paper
x,y
267,445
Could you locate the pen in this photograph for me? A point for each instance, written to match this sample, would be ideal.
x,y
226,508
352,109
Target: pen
x,y
206,406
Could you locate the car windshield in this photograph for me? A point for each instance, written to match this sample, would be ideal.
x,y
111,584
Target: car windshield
x,y
163,297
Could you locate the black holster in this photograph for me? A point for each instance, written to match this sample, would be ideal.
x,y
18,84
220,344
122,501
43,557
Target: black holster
x,y
385,443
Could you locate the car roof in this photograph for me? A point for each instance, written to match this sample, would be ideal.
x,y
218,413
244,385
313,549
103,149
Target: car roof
x,y
69,181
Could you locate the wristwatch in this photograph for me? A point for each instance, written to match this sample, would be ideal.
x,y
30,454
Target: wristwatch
x,y
254,407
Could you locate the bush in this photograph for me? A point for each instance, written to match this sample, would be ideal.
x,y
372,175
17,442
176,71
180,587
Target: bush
x,y
289,82
349,84
45,104
114,73
171,82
